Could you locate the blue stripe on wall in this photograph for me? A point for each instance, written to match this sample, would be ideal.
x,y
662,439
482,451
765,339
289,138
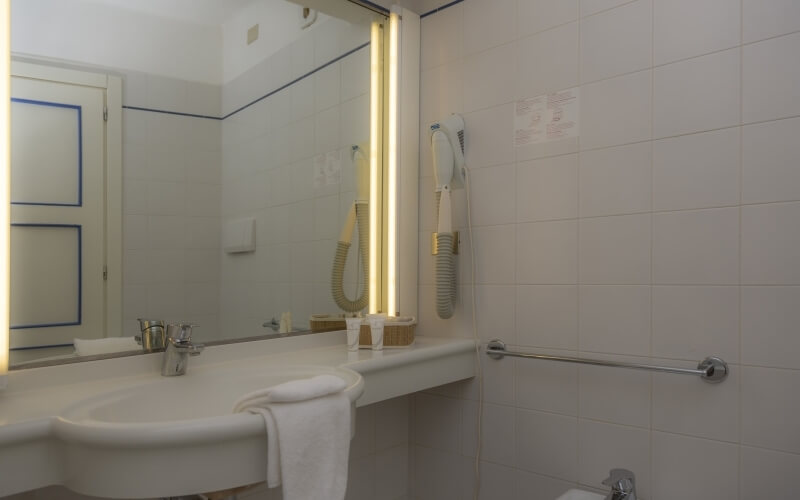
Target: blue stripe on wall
x,y
255,101
439,9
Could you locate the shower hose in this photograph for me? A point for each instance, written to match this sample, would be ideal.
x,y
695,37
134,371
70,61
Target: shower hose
x,y
445,273
340,259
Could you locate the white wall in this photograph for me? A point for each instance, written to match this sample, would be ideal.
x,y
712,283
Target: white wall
x,y
268,173
91,33
667,232
279,26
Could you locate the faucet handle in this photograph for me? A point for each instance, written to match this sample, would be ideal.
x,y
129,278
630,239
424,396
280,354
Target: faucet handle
x,y
181,332
621,480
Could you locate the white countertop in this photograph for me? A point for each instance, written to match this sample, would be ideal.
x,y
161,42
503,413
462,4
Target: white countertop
x,y
36,397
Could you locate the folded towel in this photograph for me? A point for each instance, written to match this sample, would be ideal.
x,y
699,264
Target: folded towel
x,y
90,347
308,436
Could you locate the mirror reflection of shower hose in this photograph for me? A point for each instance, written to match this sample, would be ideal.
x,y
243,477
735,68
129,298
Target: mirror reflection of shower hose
x,y
359,214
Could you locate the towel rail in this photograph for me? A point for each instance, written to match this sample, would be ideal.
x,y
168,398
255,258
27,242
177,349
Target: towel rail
x,y
712,369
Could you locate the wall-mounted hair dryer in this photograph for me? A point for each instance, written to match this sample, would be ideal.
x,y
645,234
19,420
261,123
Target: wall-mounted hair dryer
x,y
358,215
447,144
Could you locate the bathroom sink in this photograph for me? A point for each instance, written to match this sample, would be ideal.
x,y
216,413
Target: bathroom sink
x,y
168,436
575,494
201,394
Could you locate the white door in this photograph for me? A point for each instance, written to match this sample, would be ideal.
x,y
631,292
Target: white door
x,y
57,213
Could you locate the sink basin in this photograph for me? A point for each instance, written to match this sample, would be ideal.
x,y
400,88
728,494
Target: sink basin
x,y
575,494
169,436
201,394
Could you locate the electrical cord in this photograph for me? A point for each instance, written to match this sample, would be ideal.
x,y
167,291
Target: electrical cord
x,y
478,365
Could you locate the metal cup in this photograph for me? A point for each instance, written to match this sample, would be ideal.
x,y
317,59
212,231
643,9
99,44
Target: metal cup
x,y
153,335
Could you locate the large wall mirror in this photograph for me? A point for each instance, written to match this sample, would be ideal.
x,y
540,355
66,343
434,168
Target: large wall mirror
x,y
244,148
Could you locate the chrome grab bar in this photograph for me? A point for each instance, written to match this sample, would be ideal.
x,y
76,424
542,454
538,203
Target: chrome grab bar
x,y
711,369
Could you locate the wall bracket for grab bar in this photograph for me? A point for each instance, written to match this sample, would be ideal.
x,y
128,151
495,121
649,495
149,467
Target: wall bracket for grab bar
x,y
711,369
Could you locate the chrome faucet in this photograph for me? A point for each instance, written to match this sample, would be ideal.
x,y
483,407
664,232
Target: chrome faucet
x,y
179,348
623,485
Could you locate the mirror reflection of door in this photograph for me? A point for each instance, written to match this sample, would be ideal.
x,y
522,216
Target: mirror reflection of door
x,y
57,213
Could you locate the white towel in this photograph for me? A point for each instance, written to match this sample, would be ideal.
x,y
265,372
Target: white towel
x,y
91,347
308,436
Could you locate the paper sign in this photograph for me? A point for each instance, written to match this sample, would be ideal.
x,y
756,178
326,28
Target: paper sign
x,y
545,118
327,169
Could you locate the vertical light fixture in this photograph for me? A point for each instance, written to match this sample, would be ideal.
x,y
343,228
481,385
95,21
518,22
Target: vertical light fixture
x,y
392,139
5,188
375,93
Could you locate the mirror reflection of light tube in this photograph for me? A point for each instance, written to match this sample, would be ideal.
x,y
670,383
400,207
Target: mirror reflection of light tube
x,y
5,188
374,148
391,272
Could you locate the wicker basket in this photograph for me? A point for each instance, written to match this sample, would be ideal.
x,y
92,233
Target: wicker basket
x,y
397,332
327,323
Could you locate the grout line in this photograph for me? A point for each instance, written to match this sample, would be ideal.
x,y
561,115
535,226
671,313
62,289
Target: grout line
x,y
739,287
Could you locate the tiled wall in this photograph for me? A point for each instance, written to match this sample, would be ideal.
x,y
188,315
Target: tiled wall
x,y
269,150
171,202
666,232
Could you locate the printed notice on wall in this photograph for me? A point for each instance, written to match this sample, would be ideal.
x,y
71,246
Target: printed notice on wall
x,y
327,169
545,118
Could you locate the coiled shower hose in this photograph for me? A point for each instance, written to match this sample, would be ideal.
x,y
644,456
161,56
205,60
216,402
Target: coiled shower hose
x,y
445,272
340,259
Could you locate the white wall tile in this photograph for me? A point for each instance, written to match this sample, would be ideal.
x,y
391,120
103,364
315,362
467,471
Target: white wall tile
x,y
767,18
771,79
547,385
489,77
355,75
600,387
689,459
441,94
614,319
534,16
494,248
441,34
770,315
615,250
617,41
498,303
547,316
770,408
615,180
769,161
626,99
488,23
492,193
692,322
602,447
685,405
768,474
547,61
530,486
548,253
697,94
589,7
547,444
488,136
547,189
391,473
498,432
686,28
696,171
770,244
696,247
327,83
